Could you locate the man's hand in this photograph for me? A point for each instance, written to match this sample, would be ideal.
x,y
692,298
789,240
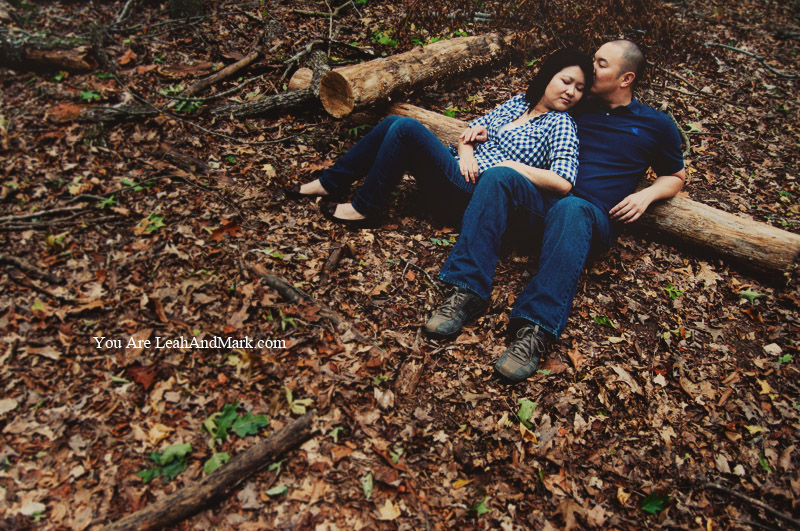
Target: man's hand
x,y
473,135
632,207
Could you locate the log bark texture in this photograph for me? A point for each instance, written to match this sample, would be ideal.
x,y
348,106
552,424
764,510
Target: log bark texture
x,y
23,51
345,89
68,112
197,496
756,246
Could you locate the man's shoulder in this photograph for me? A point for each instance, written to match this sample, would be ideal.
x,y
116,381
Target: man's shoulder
x,y
649,113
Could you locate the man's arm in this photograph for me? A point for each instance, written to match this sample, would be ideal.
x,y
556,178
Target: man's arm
x,y
632,207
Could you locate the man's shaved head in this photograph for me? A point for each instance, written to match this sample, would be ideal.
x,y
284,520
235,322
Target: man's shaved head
x,y
632,59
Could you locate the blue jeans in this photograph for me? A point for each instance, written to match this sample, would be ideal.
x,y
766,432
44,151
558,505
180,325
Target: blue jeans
x,y
396,146
571,228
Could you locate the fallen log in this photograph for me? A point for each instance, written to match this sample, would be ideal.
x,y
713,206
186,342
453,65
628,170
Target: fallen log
x,y
345,89
225,73
197,496
756,246
23,51
302,94
69,112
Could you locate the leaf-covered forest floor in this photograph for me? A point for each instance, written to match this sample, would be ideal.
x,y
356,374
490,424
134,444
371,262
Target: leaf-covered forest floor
x,y
676,370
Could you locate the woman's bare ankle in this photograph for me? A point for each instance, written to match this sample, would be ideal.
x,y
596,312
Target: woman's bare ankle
x,y
313,188
346,211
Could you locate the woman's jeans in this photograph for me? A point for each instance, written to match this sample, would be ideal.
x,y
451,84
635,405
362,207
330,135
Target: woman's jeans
x,y
571,227
396,146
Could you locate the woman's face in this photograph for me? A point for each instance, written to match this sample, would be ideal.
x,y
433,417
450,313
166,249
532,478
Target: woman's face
x,y
564,90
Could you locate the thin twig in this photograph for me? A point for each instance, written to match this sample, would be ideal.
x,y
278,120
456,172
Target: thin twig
x,y
759,58
124,12
670,72
207,98
24,266
229,70
187,21
683,135
757,503
141,99
418,268
249,15
47,224
41,213
331,14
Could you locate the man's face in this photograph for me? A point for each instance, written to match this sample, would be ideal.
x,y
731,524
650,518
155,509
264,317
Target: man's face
x,y
607,69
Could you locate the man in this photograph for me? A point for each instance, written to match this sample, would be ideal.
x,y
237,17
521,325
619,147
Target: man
x,y
620,139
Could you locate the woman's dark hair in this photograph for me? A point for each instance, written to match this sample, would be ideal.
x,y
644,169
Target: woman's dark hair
x,y
555,63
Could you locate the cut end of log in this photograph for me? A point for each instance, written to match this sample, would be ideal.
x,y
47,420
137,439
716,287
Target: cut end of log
x,y
336,94
301,79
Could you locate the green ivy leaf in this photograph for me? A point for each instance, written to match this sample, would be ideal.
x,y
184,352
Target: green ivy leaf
x,y
299,406
654,503
176,451
216,461
750,295
367,485
526,408
174,468
672,292
602,320
276,467
226,419
481,508
249,424
89,95
280,490
150,474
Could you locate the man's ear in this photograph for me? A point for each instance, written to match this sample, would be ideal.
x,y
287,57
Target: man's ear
x,y
626,79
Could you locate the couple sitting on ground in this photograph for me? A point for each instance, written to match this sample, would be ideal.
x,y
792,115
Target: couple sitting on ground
x,y
570,178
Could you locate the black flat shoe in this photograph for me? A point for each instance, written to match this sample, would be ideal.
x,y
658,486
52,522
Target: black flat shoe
x,y
293,191
329,209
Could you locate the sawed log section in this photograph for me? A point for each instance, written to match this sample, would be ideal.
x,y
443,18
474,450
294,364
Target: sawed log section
x,y
351,87
197,496
754,245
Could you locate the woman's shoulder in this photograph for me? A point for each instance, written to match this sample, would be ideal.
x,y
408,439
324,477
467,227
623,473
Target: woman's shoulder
x,y
561,118
516,100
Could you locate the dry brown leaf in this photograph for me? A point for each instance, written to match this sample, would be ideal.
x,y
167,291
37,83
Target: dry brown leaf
x,y
575,357
389,511
596,516
625,376
158,432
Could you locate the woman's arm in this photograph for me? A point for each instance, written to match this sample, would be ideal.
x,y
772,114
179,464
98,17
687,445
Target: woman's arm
x,y
466,160
546,180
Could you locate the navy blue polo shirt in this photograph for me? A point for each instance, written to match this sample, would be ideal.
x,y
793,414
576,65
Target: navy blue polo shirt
x,y
617,146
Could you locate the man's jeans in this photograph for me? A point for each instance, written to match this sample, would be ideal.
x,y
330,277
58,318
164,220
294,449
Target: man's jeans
x,y
395,146
571,227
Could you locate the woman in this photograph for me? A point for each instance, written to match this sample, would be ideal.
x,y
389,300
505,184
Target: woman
x,y
530,133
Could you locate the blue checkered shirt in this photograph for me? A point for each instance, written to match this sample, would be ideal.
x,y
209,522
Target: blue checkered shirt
x,y
548,141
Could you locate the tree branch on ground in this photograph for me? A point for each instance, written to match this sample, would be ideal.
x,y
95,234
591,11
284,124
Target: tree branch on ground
x,y
759,58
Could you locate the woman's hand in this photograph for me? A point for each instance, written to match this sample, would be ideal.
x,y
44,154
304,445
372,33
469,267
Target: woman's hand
x,y
469,168
475,134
